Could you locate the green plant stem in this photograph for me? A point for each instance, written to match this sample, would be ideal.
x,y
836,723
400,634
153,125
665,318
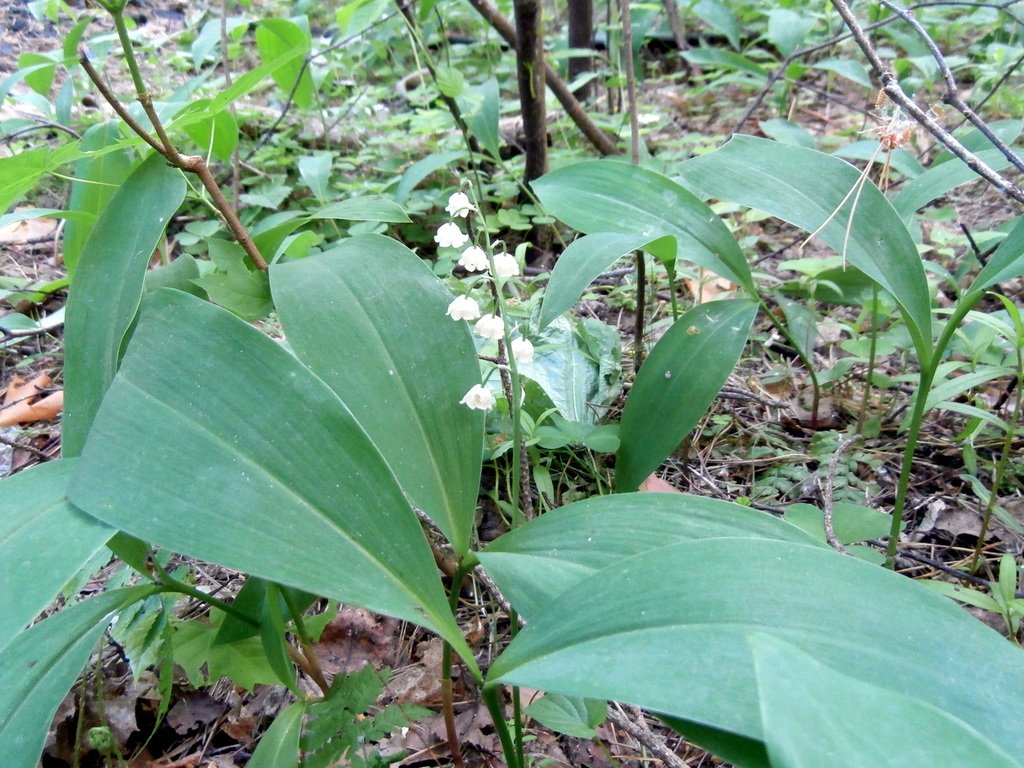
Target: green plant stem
x,y
129,51
170,584
311,663
447,698
873,343
1004,460
641,299
808,365
925,380
492,700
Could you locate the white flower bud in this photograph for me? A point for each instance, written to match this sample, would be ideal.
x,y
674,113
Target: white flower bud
x,y
479,398
463,308
490,327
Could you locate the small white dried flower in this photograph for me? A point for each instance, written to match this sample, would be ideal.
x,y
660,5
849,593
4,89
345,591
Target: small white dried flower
x,y
479,398
522,350
450,236
463,308
459,205
506,265
473,259
489,327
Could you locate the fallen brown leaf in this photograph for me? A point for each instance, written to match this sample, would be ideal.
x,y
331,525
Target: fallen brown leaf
x,y
22,404
654,484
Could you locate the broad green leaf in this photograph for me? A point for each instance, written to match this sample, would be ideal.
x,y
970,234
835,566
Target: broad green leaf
x,y
315,171
787,28
251,461
851,69
577,366
572,716
584,259
365,208
44,541
39,666
279,746
391,354
450,81
940,179
804,187
677,383
1006,263
901,160
787,132
483,118
421,169
196,648
216,134
668,630
717,15
612,196
715,58
107,287
814,716
19,173
539,561
97,179
40,71
276,37
234,286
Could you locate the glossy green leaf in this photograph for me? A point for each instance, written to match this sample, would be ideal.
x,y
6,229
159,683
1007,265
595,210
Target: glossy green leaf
x,y
815,716
677,383
279,746
570,715
804,187
235,286
940,179
44,541
389,351
40,665
97,180
578,265
484,114
217,134
718,58
251,461
365,208
107,287
275,37
421,169
315,171
851,69
539,561
576,364
612,196
668,630
1006,263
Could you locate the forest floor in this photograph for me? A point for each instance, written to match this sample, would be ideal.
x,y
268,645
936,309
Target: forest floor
x,y
765,405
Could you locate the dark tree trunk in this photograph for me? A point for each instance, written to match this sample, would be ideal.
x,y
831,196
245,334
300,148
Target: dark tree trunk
x,y
530,73
581,35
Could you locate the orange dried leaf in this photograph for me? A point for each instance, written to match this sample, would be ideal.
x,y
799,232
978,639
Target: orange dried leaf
x,y
18,389
33,410
654,484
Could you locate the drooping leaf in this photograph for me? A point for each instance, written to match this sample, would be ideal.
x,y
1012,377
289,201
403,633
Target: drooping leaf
x,y
107,287
279,746
539,561
98,180
251,461
365,208
389,351
274,38
612,196
814,716
44,541
1006,263
484,101
39,666
940,179
804,187
585,259
570,715
668,630
677,383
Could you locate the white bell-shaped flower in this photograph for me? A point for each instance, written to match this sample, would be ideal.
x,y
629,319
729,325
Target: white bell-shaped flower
x,y
506,265
522,350
459,205
450,236
473,259
463,308
479,398
490,327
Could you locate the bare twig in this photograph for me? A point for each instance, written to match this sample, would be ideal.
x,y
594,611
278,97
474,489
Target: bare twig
x,y
572,107
952,95
892,89
634,725
828,489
